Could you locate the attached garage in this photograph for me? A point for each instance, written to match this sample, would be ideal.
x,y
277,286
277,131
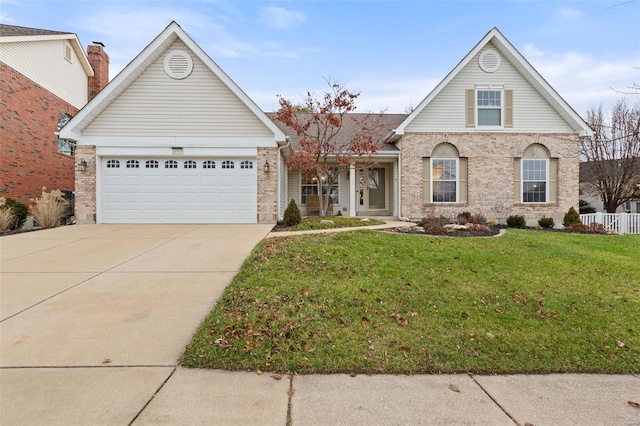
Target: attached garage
x,y
172,139
185,190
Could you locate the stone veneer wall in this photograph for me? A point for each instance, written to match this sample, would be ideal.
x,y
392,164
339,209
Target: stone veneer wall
x,y
490,173
86,185
267,186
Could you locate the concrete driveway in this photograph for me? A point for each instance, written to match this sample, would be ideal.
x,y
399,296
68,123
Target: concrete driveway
x,y
94,317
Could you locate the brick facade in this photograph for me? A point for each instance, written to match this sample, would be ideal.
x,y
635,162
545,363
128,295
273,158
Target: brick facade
x,y
267,186
29,157
490,173
86,185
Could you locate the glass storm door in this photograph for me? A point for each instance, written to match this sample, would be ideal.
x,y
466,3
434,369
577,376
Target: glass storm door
x,y
372,189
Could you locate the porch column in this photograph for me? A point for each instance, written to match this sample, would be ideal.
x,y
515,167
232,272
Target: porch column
x,y
352,191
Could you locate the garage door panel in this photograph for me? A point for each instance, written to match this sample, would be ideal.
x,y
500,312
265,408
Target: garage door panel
x,y
194,194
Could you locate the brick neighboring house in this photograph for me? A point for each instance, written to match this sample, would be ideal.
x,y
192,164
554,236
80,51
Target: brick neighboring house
x,y
45,79
172,139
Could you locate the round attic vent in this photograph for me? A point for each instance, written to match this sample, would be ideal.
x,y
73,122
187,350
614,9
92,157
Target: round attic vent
x,y
489,61
178,64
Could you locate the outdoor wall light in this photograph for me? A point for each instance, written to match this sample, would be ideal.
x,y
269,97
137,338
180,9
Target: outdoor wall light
x,y
82,165
266,166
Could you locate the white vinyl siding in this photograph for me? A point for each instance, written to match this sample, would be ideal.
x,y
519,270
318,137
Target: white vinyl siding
x,y
65,79
448,111
294,187
157,105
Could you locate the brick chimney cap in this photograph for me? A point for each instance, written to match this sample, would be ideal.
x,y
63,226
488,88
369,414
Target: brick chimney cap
x,y
99,43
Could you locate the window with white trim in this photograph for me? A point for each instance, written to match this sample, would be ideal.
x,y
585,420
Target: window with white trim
x,y
246,164
190,164
133,164
534,180
113,164
489,107
444,180
171,164
228,164
309,186
151,164
209,164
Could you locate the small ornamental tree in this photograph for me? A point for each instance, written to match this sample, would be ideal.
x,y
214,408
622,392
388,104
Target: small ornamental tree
x,y
324,148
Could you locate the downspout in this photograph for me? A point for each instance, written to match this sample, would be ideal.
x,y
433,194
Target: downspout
x,y
399,202
278,192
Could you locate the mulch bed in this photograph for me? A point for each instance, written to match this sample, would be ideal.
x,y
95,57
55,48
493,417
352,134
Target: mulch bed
x,y
418,230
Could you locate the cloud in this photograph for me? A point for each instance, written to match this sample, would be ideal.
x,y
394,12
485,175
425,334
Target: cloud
x,y
584,80
142,24
568,14
281,18
6,19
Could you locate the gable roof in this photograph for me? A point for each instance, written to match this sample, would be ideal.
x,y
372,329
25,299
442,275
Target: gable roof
x,y
387,122
526,70
16,34
139,65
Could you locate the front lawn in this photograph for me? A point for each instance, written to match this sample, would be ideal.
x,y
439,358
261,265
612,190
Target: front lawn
x,y
374,302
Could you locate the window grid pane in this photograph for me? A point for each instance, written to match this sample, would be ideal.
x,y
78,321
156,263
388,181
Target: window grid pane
x,y
443,175
534,181
309,187
489,104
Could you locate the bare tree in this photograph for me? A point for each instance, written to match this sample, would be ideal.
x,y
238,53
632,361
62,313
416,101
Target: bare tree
x,y
612,154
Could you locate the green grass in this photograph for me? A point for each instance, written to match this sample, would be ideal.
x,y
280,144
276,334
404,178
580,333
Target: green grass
x,y
313,222
373,302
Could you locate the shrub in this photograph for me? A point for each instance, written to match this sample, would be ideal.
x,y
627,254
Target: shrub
x,y
516,221
594,228
49,209
20,213
463,218
585,207
571,217
7,215
292,215
434,224
546,222
481,218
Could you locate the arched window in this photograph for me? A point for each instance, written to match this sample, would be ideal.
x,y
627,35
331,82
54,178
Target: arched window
x,y
228,164
536,174
133,164
171,164
246,164
445,176
189,164
151,164
209,164
113,164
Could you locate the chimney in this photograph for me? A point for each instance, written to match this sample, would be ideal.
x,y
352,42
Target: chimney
x,y
99,61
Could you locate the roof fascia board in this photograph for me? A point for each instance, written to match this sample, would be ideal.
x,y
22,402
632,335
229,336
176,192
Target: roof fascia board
x,y
173,29
70,131
579,124
75,43
454,72
219,72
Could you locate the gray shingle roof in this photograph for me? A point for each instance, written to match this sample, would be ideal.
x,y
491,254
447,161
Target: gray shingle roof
x,y
388,122
16,31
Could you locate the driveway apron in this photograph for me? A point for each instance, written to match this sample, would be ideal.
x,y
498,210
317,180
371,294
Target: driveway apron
x,y
87,306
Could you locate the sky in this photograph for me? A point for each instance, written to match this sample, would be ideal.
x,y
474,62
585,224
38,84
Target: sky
x,y
392,52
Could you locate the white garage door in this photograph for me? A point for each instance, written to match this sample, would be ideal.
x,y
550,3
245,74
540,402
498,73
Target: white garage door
x,y
191,190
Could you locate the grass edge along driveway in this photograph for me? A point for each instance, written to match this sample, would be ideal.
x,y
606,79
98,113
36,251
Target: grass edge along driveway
x,y
376,302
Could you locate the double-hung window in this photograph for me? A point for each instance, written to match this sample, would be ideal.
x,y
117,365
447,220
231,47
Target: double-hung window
x,y
489,107
534,180
309,187
444,180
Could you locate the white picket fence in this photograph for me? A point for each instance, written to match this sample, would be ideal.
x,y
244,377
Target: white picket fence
x,y
622,223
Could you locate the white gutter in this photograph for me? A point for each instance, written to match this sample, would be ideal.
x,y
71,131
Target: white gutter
x,y
286,145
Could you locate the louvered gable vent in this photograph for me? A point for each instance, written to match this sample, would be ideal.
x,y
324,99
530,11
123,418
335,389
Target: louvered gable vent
x,y
489,61
178,64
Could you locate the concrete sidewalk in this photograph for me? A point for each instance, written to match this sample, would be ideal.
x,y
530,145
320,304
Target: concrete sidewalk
x,y
94,317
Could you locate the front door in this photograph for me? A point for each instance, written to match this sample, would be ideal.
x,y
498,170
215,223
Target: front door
x,y
372,187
